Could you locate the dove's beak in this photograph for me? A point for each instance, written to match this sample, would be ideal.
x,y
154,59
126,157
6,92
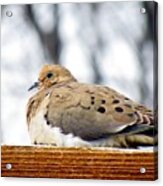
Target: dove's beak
x,y
35,85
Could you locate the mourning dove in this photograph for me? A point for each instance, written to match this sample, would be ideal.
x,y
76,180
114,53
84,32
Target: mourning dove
x,y
67,113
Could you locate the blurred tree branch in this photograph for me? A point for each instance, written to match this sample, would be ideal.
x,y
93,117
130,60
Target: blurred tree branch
x,y
97,49
51,40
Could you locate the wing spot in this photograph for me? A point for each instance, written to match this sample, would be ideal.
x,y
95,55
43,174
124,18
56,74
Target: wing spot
x,y
101,110
103,101
115,101
48,122
45,116
92,102
118,109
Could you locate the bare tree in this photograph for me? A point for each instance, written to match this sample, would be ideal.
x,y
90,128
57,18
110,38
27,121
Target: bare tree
x,y
50,41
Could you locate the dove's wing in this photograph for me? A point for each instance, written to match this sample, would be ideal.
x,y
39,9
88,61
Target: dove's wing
x,y
92,112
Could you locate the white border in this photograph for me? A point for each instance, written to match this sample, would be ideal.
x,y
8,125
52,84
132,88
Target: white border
x,y
70,182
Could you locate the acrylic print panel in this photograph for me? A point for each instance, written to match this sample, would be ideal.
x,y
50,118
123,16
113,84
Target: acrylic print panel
x,y
79,90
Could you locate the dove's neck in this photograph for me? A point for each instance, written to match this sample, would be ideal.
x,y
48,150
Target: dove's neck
x,y
66,79
61,84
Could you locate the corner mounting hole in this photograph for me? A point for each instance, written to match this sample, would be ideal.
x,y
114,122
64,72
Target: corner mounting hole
x,y
143,10
142,170
9,13
8,166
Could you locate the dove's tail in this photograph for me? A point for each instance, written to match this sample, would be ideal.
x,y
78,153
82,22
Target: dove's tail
x,y
143,132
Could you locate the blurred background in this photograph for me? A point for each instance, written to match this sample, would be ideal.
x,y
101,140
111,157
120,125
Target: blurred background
x,y
108,43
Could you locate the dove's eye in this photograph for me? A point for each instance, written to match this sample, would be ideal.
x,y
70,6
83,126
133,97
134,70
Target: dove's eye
x,y
49,75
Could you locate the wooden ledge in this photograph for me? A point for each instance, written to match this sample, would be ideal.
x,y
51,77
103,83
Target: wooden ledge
x,y
52,162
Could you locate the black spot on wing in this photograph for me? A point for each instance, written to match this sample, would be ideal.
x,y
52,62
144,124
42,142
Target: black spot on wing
x,y
115,101
118,109
103,101
92,102
101,110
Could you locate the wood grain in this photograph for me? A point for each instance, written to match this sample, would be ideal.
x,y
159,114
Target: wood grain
x,y
52,162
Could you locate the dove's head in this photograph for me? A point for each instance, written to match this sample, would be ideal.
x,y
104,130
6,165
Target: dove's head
x,y
51,75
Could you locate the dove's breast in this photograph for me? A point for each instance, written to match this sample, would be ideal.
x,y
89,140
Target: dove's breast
x,y
42,132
